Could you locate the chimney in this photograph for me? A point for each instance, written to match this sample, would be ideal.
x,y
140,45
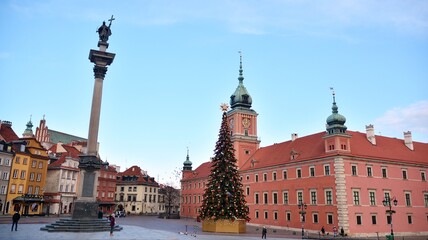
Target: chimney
x,y
370,134
408,140
293,136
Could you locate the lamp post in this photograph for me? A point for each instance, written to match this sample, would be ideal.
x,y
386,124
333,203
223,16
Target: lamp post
x,y
302,208
388,202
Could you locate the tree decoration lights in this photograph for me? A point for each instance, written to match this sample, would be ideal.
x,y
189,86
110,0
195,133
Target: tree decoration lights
x,y
224,196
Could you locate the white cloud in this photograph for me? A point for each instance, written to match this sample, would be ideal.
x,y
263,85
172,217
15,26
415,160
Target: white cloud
x,y
413,117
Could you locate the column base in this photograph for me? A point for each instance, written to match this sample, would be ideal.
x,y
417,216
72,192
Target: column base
x,y
85,210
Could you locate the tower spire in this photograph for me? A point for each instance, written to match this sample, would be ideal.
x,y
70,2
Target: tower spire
x,y
29,130
335,122
241,76
187,165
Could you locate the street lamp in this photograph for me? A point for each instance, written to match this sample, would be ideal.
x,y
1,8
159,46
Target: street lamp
x,y
387,203
302,207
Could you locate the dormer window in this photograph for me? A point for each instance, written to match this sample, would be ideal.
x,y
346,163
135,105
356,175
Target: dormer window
x,y
245,98
293,154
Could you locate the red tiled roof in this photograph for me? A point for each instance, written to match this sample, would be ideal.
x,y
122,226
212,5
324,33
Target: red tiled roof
x,y
7,133
312,147
71,152
202,171
136,171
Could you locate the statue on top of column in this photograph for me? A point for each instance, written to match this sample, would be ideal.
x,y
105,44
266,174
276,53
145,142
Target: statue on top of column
x,y
104,31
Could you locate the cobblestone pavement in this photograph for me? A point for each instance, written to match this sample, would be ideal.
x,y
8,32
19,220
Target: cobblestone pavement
x,y
146,227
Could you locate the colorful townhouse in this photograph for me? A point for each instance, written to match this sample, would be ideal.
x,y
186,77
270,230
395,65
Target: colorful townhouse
x,y
363,183
138,193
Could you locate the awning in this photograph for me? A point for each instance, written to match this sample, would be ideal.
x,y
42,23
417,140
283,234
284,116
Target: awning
x,y
29,198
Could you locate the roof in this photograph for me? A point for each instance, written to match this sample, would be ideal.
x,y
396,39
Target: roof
x,y
6,132
136,176
56,137
70,152
312,147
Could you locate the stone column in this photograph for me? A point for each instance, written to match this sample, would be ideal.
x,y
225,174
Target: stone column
x,y
86,206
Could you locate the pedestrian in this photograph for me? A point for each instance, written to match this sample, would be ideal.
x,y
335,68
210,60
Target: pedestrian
x,y
15,219
322,231
112,223
342,232
264,231
334,231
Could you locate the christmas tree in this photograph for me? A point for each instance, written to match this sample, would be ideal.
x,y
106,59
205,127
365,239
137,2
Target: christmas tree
x,y
224,195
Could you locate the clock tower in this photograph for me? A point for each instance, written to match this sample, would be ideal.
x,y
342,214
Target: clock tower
x,y
242,122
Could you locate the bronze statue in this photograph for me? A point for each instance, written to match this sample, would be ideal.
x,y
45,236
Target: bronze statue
x,y
104,31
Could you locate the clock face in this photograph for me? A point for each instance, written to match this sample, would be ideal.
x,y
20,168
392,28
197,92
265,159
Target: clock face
x,y
246,122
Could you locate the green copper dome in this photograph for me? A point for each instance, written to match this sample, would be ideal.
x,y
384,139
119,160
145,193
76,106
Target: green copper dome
x,y
187,165
241,97
335,122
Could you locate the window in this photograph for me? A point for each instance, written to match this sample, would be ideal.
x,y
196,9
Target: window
x,y
284,174
299,197
3,189
275,198
285,195
135,189
312,171
329,218
265,177
15,173
12,188
384,173
266,214
20,188
39,177
248,191
369,172
404,174
66,190
409,219
274,176
257,214
40,164
315,217
36,191
265,198
313,197
359,222
356,195
33,163
32,176
374,220
275,215
327,170
408,202
423,176
426,199
248,177
61,188
17,160
256,198
23,173
288,216
25,161
328,197
257,177
129,189
299,173
372,196
7,162
5,175
354,170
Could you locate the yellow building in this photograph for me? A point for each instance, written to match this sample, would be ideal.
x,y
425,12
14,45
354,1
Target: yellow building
x,y
27,177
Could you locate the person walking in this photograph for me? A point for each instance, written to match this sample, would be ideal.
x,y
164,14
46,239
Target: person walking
x,y
264,232
112,223
322,231
15,219
334,231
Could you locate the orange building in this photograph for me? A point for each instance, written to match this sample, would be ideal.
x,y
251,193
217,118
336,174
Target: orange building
x,y
335,178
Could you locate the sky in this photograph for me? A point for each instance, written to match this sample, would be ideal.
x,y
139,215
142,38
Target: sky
x,y
177,61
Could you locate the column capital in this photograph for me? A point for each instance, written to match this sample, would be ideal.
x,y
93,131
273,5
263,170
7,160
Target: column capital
x,y
100,71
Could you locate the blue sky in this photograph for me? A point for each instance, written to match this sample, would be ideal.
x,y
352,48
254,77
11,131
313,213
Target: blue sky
x,y
177,61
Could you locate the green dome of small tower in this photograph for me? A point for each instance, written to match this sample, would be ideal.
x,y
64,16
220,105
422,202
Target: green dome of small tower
x,y
335,122
187,165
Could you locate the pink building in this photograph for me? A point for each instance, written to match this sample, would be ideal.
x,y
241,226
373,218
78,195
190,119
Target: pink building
x,y
342,177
